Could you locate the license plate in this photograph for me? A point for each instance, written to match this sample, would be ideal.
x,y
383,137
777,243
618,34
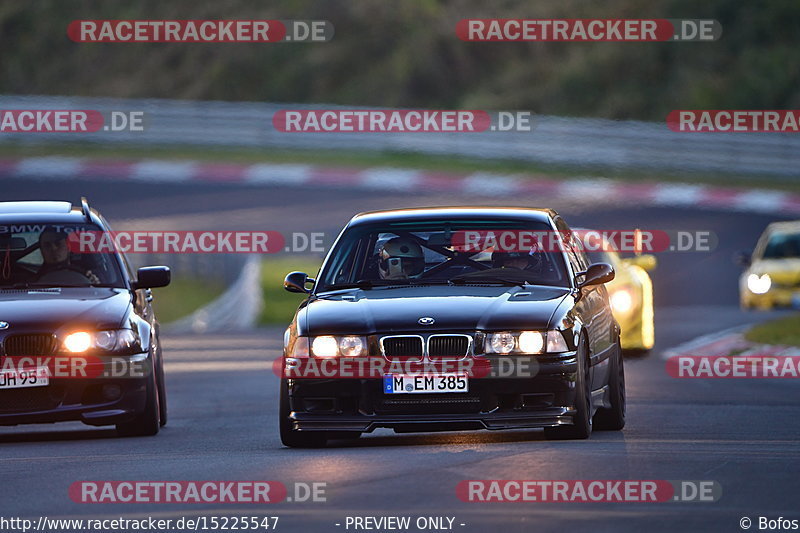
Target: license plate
x,y
424,383
20,379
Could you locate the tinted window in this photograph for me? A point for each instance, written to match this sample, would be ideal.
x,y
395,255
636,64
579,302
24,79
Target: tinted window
x,y
42,254
782,245
435,252
574,252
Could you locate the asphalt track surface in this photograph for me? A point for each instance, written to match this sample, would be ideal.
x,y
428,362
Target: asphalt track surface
x,y
223,396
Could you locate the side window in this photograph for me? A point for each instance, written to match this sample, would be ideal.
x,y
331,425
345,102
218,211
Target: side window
x,y
346,266
580,255
576,257
128,272
127,267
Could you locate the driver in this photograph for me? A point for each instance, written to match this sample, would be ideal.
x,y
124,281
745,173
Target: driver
x,y
55,255
401,258
532,261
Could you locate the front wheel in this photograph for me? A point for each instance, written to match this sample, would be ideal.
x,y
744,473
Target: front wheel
x,y
613,418
291,437
149,421
581,427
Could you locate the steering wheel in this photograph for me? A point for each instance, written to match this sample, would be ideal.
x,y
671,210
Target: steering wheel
x,y
69,275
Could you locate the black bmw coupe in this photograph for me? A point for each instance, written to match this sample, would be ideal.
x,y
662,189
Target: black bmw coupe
x,y
440,319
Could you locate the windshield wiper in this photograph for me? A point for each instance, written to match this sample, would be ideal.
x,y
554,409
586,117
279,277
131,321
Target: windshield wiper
x,y
89,286
24,285
390,283
362,284
493,276
30,285
14,286
484,281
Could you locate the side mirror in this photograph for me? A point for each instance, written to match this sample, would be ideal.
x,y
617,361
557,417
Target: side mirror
x,y
645,261
596,274
152,277
296,282
743,259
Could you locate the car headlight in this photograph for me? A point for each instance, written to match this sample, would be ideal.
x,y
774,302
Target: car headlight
x,y
524,342
556,342
622,301
330,346
530,342
112,340
325,346
501,343
78,342
298,348
759,284
351,346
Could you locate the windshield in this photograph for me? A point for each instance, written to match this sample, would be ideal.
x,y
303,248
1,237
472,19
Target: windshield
x,y
783,245
433,253
44,255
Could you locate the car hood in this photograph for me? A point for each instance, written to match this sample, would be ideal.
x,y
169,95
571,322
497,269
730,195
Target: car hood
x,y
398,309
781,271
51,309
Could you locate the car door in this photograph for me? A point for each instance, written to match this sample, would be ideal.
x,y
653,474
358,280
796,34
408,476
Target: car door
x,y
594,310
597,299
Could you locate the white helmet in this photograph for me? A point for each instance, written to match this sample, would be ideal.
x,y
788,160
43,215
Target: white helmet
x,y
401,258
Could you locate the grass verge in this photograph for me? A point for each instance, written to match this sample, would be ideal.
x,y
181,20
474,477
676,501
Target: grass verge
x,y
783,331
280,305
184,296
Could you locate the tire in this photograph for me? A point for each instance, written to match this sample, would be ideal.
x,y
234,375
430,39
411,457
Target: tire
x,y
148,422
582,420
293,438
613,418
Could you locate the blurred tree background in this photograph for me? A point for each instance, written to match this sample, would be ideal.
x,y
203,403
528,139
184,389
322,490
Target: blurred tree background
x,y
406,53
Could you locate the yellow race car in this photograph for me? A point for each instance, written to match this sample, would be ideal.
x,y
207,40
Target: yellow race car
x,y
631,296
772,274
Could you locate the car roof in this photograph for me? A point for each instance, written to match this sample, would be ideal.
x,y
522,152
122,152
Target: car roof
x,y
19,212
455,212
789,226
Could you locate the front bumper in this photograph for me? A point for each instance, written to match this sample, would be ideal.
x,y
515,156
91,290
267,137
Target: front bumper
x,y
79,398
546,399
775,297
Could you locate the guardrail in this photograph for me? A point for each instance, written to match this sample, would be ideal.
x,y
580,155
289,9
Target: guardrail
x,y
576,142
235,310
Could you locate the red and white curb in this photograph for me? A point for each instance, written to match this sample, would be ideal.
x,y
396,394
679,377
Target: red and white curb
x,y
727,343
479,184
